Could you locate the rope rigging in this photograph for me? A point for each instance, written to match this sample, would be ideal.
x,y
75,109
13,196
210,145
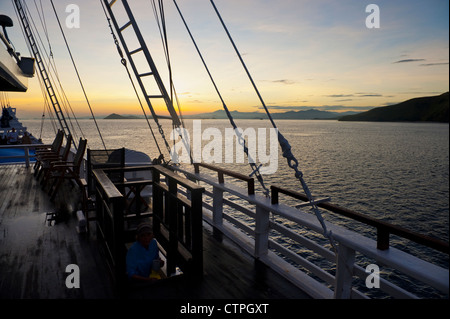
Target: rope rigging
x,y
35,45
78,75
158,11
241,140
284,144
51,64
61,105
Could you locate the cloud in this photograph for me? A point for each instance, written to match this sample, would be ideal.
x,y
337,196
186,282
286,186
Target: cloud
x,y
293,108
342,108
354,95
408,60
433,64
340,95
320,108
369,95
283,81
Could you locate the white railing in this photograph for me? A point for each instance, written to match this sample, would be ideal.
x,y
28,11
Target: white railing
x,y
290,241
26,157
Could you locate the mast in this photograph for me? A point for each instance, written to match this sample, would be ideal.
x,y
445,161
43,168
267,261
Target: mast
x,y
42,70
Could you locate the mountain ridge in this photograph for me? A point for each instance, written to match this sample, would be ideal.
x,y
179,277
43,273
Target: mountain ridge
x,y
310,114
420,109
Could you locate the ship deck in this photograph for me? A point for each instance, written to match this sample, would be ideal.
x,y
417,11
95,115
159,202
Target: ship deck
x,y
34,254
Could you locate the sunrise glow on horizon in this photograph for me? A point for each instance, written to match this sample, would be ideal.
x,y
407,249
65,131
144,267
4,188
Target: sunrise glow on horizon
x,y
301,54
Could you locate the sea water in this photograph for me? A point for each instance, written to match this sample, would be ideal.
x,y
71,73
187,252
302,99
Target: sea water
x,y
396,172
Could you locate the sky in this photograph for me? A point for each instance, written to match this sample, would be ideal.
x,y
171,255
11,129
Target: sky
x,y
301,54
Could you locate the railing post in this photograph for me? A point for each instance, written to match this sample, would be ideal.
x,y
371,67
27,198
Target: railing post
x,y
261,231
197,232
344,273
382,238
27,157
274,197
119,242
157,203
217,206
251,187
171,211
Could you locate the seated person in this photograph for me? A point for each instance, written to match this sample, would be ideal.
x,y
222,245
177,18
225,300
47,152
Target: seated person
x,y
143,254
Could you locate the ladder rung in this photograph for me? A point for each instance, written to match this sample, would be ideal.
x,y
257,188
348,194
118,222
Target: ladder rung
x,y
126,25
135,51
155,96
145,74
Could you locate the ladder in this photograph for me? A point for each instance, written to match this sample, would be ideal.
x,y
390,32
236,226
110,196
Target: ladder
x,y
143,49
42,70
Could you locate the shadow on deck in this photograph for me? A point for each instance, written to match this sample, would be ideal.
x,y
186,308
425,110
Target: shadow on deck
x,y
34,255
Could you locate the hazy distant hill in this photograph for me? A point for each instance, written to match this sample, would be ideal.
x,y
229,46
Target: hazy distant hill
x,y
115,116
291,115
220,114
429,109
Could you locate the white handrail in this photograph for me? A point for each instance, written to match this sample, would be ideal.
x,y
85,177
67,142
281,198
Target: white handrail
x,y
257,241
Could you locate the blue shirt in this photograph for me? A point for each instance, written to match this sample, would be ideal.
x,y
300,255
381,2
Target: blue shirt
x,y
140,260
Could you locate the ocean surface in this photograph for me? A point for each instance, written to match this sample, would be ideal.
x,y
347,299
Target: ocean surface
x,y
397,172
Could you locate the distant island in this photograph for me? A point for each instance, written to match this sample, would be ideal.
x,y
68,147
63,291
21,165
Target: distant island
x,y
115,116
220,114
422,109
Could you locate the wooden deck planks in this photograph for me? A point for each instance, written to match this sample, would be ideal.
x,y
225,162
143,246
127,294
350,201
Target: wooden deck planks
x,y
33,255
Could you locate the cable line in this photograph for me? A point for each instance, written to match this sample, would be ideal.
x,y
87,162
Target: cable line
x,y
78,75
161,23
285,146
241,140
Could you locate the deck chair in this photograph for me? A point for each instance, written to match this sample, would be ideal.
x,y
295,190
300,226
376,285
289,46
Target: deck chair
x,y
45,150
47,159
60,171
